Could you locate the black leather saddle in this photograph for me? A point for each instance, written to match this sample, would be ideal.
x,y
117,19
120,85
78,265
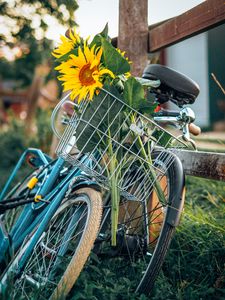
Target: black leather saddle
x,y
174,86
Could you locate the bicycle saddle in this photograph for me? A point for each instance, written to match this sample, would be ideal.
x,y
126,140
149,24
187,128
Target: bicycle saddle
x,y
175,86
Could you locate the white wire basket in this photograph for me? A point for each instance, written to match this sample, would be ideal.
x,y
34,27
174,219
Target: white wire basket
x,y
108,125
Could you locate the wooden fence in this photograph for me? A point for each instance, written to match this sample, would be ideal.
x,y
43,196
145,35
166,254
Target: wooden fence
x,y
138,39
203,17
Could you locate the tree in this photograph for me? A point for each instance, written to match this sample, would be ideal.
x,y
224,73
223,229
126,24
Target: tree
x,y
24,26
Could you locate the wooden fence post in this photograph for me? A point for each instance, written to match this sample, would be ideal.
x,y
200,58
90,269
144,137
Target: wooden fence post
x,y
133,33
208,165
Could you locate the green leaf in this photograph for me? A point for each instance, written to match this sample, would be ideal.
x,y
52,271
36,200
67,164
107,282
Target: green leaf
x,y
148,83
147,107
105,31
162,137
133,93
150,97
102,113
97,40
134,96
114,61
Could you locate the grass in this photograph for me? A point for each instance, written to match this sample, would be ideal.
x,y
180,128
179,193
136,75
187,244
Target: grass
x,y
194,268
195,265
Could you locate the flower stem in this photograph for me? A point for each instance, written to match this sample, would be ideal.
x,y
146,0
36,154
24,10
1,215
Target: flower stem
x,y
153,175
114,193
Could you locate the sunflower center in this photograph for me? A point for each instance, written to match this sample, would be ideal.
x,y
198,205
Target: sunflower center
x,y
86,75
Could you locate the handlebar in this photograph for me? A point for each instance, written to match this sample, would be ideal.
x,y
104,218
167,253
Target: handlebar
x,y
185,116
194,129
183,119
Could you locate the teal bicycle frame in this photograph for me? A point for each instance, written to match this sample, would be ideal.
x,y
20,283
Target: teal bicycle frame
x,y
38,214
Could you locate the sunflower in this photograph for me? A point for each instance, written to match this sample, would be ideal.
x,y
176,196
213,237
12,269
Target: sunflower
x,y
83,74
67,44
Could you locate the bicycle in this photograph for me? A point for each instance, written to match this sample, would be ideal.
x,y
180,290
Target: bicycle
x,y
76,184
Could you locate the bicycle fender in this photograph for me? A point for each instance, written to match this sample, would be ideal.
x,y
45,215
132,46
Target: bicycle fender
x,y
87,183
177,203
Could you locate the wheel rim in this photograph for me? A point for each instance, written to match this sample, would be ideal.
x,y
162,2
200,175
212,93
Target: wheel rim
x,y
52,254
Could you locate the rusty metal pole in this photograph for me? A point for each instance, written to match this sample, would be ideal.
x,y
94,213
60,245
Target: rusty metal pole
x,y
133,32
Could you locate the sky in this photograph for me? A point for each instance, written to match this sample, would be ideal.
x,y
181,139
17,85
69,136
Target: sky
x,y
92,15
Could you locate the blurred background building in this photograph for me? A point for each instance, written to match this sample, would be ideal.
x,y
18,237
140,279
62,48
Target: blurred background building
x,y
198,57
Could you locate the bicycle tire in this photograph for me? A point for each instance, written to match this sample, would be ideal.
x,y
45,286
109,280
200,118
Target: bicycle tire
x,y
163,232
147,282
59,282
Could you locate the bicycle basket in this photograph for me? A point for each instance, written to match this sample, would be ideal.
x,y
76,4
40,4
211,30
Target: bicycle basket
x,y
107,128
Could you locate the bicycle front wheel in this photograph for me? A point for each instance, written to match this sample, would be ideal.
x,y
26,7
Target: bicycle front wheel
x,y
146,225
62,250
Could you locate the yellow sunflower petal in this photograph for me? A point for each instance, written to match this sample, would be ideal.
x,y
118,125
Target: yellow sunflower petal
x,y
64,65
94,63
91,93
74,36
81,55
89,53
82,94
99,54
64,47
106,71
